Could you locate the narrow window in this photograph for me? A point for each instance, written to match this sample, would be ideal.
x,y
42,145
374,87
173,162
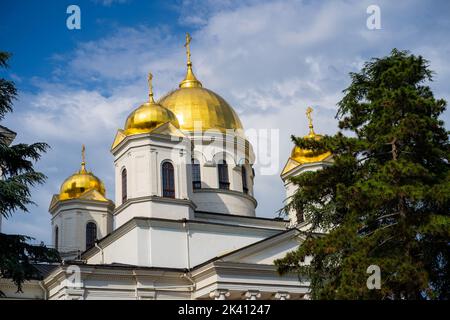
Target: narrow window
x,y
56,237
168,181
244,179
91,234
224,183
124,185
196,177
300,216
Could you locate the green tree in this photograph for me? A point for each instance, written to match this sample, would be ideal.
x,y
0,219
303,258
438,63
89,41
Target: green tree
x,y
17,176
385,200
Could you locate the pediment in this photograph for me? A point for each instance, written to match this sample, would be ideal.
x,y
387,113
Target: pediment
x,y
55,199
290,164
120,135
168,129
267,250
93,195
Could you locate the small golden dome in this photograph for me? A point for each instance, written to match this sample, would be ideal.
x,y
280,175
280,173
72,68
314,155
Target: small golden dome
x,y
148,116
305,155
81,182
199,108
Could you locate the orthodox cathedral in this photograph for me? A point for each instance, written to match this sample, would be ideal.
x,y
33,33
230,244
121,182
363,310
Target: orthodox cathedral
x,y
183,222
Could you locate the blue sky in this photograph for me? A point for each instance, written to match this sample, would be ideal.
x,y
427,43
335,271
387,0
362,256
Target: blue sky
x,y
269,59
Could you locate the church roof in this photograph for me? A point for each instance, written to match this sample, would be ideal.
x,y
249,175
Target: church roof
x,y
122,266
281,235
111,236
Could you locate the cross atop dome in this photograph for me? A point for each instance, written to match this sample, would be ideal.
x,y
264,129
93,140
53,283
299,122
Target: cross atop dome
x,y
83,158
150,88
188,50
309,110
190,81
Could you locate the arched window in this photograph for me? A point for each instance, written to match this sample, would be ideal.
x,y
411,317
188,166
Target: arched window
x,y
91,234
56,237
168,180
244,179
222,167
124,185
196,177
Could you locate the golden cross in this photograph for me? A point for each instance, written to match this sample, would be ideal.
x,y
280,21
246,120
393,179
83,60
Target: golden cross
x,y
188,50
309,110
83,154
83,158
150,87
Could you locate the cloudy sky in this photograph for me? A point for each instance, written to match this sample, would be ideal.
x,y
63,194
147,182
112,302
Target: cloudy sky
x,y
268,59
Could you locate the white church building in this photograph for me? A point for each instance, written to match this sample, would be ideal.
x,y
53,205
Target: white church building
x,y
183,223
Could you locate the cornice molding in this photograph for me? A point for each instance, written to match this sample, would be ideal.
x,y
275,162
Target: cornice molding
x,y
129,202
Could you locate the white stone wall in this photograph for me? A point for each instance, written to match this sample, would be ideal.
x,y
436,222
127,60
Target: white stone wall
x,y
154,207
291,188
224,201
236,152
154,243
143,155
72,216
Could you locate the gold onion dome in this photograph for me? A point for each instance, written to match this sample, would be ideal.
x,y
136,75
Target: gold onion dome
x,y
306,155
149,115
80,183
199,108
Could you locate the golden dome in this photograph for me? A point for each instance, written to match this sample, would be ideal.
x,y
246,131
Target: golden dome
x,y
197,107
306,155
148,116
80,183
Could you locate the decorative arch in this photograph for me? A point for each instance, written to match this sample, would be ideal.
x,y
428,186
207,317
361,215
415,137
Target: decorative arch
x,y
224,155
197,154
242,161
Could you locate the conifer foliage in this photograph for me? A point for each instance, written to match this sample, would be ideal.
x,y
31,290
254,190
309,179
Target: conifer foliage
x,y
17,176
385,200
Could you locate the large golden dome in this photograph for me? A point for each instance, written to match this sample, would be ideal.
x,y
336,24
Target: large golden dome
x,y
80,183
148,116
198,108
